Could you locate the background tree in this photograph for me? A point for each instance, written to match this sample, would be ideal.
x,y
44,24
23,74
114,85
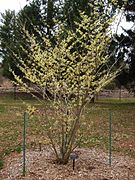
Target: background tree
x,y
124,45
8,41
37,17
71,9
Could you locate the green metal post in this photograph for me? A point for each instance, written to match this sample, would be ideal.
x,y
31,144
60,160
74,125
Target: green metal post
x,y
24,144
110,138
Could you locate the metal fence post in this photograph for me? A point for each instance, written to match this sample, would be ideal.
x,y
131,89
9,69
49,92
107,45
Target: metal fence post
x,y
110,138
24,144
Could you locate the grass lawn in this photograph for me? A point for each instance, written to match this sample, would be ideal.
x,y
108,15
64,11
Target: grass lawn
x,y
95,126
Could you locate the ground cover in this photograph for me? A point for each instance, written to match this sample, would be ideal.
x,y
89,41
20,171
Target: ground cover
x,y
92,164
94,131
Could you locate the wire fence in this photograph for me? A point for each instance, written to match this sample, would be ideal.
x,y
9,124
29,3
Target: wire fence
x,y
105,93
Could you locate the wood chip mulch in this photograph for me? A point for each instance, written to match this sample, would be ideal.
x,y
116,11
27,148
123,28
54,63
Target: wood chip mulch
x,y
92,164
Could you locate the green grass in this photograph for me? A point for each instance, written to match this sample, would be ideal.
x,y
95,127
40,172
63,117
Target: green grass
x,y
2,109
123,125
1,163
95,126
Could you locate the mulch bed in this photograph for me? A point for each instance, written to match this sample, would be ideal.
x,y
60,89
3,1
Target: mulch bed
x,y
92,164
